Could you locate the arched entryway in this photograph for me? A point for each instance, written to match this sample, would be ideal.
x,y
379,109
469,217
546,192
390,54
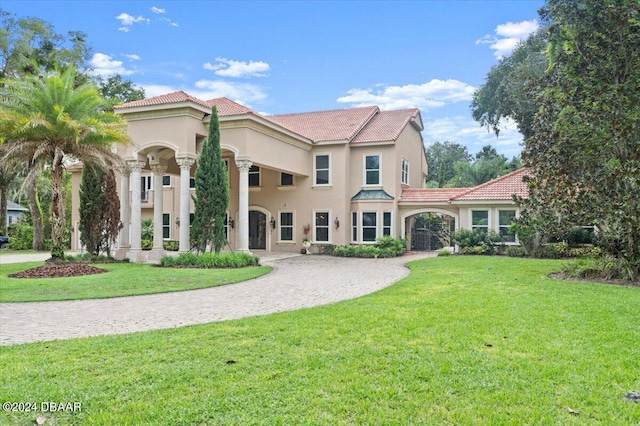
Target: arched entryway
x,y
429,228
257,230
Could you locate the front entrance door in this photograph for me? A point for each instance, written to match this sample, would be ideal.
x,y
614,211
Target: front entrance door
x,y
257,230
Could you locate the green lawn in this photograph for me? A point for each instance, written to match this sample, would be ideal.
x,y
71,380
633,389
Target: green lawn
x,y
123,279
461,341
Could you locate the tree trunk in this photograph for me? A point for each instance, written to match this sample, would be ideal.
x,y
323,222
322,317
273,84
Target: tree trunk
x,y
34,208
57,209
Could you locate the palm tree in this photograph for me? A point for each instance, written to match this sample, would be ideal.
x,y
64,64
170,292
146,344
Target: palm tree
x,y
46,120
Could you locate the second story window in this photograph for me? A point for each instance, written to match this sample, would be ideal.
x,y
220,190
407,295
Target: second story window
x,y
254,176
286,179
321,170
372,170
404,177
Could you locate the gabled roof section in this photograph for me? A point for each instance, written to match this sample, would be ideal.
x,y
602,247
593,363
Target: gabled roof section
x,y
170,98
227,107
502,188
334,125
386,126
428,195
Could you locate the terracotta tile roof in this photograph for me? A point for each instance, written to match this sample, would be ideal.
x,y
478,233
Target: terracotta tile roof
x,y
502,188
333,125
169,98
386,126
228,107
431,194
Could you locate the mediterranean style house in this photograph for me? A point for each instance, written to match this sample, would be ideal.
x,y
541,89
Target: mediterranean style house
x,y
336,177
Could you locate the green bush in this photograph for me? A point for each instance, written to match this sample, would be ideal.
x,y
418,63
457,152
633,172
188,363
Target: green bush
x,y
552,251
171,245
476,250
587,251
21,236
326,248
396,245
444,252
515,251
477,241
606,267
210,260
384,247
467,238
147,244
578,235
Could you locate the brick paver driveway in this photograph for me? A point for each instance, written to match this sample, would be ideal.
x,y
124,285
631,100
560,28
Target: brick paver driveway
x,y
297,282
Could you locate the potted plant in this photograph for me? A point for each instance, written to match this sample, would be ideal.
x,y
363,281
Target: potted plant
x,y
306,242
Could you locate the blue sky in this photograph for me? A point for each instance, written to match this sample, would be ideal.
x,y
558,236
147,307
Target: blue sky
x,y
296,56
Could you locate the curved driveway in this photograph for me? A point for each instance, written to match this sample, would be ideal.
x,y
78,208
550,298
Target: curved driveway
x,y
296,282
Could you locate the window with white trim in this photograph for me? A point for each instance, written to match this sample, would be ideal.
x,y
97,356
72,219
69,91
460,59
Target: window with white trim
x,y
480,220
166,225
286,179
286,226
145,187
321,228
254,176
386,224
404,175
322,169
354,227
372,170
369,227
505,219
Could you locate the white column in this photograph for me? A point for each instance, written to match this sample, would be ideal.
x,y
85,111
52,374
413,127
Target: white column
x,y
136,207
185,198
243,163
158,172
125,208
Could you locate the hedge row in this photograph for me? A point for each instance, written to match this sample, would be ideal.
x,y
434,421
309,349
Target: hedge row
x,y
210,260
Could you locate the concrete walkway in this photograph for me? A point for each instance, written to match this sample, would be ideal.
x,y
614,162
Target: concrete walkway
x,y
295,283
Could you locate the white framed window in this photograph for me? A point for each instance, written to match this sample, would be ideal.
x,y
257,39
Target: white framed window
x,y
404,174
354,227
480,220
321,227
322,169
285,223
386,224
166,180
145,186
369,227
505,219
372,170
286,179
227,218
254,176
166,226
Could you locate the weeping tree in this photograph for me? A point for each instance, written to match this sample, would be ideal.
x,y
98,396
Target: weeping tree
x,y
99,210
50,121
211,198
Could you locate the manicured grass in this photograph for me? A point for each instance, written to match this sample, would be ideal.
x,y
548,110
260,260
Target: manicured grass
x,y
123,279
462,340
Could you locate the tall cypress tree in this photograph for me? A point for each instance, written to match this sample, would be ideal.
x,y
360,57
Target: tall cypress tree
x,y
99,209
91,203
211,198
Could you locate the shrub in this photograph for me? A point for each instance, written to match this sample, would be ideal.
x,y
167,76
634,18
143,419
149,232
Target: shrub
x,y
171,245
396,245
444,252
326,248
607,267
210,260
384,247
515,251
578,235
21,236
489,241
475,250
589,252
147,244
552,251
467,238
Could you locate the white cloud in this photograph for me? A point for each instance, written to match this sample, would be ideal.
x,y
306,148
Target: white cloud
x,y
467,132
127,21
230,68
243,93
104,65
133,57
157,10
433,94
507,36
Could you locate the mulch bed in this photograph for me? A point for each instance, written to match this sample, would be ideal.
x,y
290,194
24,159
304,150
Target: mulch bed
x,y
565,277
59,271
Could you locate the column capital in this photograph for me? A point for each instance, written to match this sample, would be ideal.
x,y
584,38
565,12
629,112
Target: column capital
x,y
124,170
158,169
243,164
185,163
135,165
